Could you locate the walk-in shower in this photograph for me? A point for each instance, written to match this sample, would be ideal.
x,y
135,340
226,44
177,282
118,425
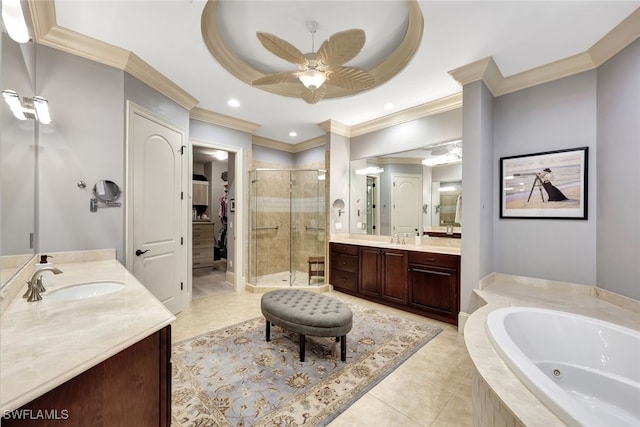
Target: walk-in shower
x,y
287,226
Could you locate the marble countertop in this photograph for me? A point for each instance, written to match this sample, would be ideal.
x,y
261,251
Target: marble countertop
x,y
439,245
48,342
501,290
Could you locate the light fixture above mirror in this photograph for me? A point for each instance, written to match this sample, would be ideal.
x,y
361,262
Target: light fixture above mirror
x,y
36,108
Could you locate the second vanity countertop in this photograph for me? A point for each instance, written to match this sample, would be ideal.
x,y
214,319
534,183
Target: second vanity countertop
x,y
47,342
438,245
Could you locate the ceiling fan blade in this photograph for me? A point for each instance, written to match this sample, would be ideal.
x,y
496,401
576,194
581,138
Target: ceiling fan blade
x,y
312,96
282,48
350,78
341,47
271,79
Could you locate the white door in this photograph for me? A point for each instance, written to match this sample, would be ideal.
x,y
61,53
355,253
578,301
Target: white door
x,y
156,167
406,203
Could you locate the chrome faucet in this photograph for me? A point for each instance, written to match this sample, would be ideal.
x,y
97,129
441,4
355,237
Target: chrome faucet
x,y
35,287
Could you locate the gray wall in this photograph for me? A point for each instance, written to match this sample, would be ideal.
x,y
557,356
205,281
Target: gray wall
x,y
307,157
85,142
339,147
283,159
408,136
477,190
618,177
552,116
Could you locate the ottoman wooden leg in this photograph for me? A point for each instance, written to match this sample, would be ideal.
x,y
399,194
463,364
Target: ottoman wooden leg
x,y
302,340
268,331
343,348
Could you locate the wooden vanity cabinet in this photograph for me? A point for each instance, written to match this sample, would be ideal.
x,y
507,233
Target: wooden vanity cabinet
x,y
424,283
370,268
434,283
383,273
344,267
131,388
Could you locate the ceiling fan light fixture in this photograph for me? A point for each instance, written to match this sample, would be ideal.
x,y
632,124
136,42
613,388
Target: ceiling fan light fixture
x,y
312,78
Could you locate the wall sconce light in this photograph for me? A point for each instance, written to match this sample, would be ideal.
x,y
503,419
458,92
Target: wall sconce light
x,y
14,21
36,108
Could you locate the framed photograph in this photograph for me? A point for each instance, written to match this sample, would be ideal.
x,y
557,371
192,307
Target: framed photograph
x,y
549,185
232,205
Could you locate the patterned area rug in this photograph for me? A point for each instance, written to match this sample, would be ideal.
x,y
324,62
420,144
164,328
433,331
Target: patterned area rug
x,y
233,377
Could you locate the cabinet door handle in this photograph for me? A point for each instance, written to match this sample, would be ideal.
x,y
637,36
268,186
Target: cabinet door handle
x,y
431,259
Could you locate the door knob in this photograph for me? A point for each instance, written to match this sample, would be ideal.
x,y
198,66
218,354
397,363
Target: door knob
x,y
139,252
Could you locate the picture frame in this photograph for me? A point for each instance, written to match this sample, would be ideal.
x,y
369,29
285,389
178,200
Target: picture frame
x,y
232,205
545,185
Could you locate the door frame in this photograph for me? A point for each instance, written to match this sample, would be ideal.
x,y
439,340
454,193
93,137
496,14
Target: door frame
x,y
237,277
131,109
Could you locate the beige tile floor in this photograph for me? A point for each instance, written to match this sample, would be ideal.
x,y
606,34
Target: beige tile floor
x,y
432,388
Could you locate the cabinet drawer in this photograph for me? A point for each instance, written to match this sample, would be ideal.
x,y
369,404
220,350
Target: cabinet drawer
x,y
430,258
344,262
344,279
345,249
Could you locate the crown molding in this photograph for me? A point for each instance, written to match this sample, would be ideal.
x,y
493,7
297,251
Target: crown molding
x,y
431,108
488,72
319,141
43,17
48,33
332,126
272,143
617,39
208,116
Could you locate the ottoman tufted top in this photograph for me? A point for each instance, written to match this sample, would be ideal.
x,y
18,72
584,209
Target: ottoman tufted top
x,y
307,309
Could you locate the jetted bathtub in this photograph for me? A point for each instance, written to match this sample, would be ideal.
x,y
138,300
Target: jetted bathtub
x,y
585,370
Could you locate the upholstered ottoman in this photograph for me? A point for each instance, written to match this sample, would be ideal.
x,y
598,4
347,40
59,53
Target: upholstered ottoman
x,y
307,313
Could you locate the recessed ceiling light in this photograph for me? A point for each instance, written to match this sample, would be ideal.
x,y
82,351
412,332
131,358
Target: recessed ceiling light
x,y
293,134
389,106
233,103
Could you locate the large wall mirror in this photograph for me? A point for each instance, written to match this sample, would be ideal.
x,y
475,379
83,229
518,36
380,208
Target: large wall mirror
x,y
412,192
17,161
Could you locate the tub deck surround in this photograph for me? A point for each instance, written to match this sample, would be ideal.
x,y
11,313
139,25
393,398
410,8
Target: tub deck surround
x,y
499,290
438,245
48,342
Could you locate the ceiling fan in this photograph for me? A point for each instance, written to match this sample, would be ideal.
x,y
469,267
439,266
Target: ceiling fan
x,y
324,67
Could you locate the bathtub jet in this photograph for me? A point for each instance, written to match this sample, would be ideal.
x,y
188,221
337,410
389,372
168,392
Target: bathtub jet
x,y
583,369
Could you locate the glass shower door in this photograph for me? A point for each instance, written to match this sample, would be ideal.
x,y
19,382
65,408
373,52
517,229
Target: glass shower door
x,y
307,227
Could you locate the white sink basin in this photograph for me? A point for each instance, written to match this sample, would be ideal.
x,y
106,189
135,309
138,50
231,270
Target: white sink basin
x,y
85,290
